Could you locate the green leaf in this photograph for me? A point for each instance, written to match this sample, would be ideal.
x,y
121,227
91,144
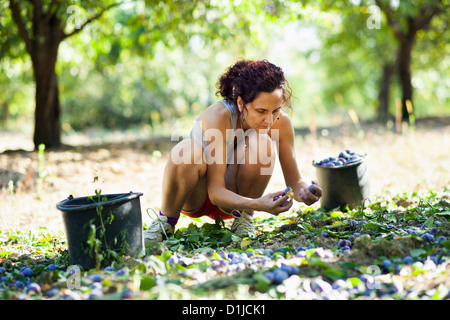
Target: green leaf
x,y
429,222
372,225
446,214
317,262
446,244
147,283
306,226
193,238
262,283
415,253
245,243
354,281
334,274
235,237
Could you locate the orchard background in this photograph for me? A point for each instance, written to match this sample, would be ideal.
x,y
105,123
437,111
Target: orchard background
x,y
92,92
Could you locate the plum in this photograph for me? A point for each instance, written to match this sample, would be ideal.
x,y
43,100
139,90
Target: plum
x,y
97,278
249,254
387,264
127,294
95,293
232,255
339,284
279,276
288,191
269,275
428,237
290,270
441,239
53,292
96,286
344,243
27,272
173,259
34,288
346,157
408,260
122,272
51,267
321,285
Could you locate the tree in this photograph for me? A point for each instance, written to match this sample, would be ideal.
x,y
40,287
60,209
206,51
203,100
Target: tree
x,y
44,25
384,46
366,55
405,21
42,28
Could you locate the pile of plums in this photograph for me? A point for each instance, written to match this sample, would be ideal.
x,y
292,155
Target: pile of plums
x,y
345,158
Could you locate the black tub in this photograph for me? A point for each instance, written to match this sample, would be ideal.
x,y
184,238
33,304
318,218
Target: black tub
x,y
124,234
343,185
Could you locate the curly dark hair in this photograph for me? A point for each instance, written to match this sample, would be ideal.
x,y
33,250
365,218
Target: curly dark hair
x,y
247,79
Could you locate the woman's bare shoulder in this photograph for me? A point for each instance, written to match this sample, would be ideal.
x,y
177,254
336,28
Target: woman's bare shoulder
x,y
215,116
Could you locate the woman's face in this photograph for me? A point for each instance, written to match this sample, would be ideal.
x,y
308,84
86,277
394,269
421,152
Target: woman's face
x,y
261,113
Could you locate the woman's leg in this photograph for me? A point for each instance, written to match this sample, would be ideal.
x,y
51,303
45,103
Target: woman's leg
x,y
250,174
249,177
184,184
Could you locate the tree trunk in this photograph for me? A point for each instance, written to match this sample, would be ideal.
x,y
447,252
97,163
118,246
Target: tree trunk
x,y
47,129
404,60
47,114
384,93
5,113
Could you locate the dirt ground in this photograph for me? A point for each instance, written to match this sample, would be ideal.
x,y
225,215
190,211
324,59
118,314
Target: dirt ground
x,y
397,163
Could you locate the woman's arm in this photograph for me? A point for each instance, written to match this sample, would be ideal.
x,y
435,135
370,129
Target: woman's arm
x,y
288,162
215,126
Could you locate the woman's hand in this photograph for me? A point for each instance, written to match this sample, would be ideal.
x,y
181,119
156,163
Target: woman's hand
x,y
309,194
275,207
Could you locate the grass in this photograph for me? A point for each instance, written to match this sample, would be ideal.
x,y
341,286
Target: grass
x,y
398,254
398,249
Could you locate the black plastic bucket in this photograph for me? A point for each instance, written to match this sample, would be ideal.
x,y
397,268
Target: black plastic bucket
x,y
121,221
343,185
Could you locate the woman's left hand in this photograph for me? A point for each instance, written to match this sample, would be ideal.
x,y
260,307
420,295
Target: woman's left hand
x,y
309,195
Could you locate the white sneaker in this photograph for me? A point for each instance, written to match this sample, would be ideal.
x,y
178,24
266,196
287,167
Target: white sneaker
x,y
243,224
157,229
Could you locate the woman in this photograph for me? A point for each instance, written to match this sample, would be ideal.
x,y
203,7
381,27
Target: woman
x,y
225,166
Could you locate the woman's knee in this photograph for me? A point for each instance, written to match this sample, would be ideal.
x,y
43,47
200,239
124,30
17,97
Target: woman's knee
x,y
187,153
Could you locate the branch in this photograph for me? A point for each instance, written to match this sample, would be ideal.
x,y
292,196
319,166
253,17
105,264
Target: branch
x,y
48,15
425,18
15,9
37,13
95,17
391,20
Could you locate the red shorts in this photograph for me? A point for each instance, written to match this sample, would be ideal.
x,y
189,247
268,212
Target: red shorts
x,y
209,210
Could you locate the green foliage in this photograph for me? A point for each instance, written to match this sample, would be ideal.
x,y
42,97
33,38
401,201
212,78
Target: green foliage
x,y
208,235
207,262
146,62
